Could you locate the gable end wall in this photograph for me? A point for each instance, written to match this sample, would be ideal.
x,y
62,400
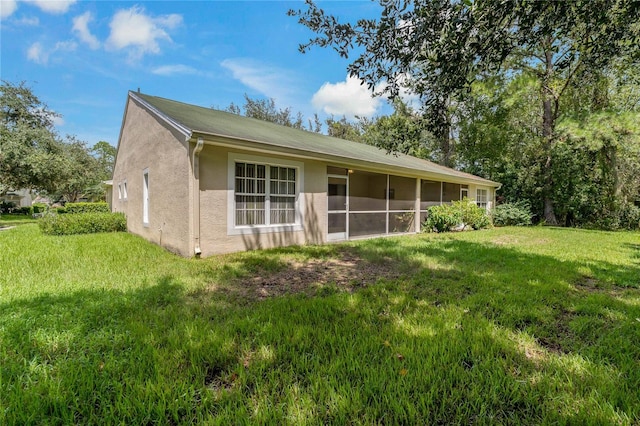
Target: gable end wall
x,y
147,143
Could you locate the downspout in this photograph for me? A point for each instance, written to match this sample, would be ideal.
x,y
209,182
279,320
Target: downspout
x,y
196,195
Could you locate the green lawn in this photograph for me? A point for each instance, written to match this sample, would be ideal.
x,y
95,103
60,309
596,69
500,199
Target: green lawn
x,y
513,325
15,219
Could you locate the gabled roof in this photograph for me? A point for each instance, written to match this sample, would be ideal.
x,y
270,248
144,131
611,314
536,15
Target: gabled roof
x,y
206,121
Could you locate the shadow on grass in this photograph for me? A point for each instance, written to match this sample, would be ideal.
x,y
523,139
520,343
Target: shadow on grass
x,y
469,333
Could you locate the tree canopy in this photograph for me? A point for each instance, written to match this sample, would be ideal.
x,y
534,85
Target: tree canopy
x,y
33,156
547,52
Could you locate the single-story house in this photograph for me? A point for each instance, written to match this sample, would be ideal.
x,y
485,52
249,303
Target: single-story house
x,y
20,197
200,182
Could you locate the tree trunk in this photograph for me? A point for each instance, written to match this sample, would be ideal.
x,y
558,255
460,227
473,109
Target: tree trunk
x,y
548,130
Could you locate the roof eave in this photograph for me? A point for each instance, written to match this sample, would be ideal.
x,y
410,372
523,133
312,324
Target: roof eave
x,y
256,145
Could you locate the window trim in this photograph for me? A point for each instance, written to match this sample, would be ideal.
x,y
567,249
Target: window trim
x,y
119,191
125,195
232,228
482,204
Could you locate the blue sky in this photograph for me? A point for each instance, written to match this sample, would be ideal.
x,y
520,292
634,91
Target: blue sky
x,y
81,58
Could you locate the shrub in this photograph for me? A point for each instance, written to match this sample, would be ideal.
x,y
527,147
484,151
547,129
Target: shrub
x,y
472,215
74,208
442,218
459,213
7,206
82,223
39,208
27,211
513,214
630,217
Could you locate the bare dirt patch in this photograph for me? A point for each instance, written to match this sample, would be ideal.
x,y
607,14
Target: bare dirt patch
x,y
346,272
591,285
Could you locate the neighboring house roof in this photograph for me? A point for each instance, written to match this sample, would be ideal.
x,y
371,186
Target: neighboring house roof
x,y
207,121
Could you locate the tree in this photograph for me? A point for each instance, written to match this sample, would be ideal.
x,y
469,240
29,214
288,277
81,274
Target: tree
x,y
105,154
403,131
33,156
344,129
30,152
266,110
439,48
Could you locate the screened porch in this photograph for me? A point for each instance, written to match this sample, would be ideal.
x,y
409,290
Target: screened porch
x,y
364,204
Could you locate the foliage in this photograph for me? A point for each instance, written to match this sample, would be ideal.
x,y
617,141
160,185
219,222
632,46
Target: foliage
x,y
437,50
30,153
7,206
81,172
33,156
266,110
472,215
82,223
74,208
345,129
532,325
403,131
39,208
443,218
105,154
512,214
457,214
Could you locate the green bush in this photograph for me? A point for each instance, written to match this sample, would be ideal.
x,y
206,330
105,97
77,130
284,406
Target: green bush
x,y
442,218
630,217
27,211
472,215
512,214
75,208
457,214
7,206
39,208
82,223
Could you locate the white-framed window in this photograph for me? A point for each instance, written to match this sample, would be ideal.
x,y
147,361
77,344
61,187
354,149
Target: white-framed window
x,y
481,197
464,191
264,192
145,196
119,191
124,190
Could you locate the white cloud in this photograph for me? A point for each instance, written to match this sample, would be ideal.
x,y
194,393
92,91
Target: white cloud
x,y
7,7
270,81
52,6
81,29
348,98
133,29
26,21
40,55
67,46
37,54
174,69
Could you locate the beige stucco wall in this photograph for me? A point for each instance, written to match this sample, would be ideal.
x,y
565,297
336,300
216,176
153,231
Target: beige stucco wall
x,y
149,143
214,193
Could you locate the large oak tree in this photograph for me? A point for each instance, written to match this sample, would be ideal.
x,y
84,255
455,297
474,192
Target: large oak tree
x,y
438,48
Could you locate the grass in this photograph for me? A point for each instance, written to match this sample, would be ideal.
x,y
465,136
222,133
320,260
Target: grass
x,y
512,325
15,219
